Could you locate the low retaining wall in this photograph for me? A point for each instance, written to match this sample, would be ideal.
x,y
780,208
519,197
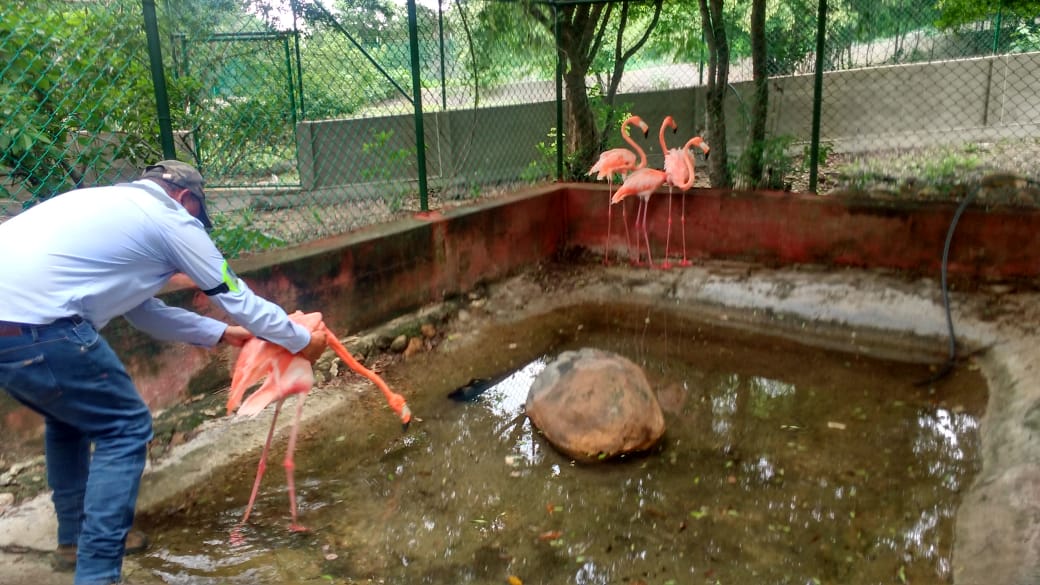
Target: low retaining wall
x,y
779,228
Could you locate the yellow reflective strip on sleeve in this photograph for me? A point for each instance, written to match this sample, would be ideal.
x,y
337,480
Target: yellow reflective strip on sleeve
x,y
229,277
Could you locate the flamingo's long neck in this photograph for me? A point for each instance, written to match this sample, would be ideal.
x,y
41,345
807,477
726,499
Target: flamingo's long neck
x,y
660,136
688,161
628,139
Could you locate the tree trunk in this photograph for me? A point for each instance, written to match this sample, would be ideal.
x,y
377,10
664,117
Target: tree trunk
x,y
583,31
718,80
582,136
755,164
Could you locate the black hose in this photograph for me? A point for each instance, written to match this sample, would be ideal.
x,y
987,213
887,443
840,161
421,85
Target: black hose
x,y
951,359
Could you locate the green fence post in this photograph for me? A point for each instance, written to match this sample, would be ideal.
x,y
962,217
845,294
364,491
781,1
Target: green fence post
x,y
420,138
162,100
299,61
559,94
996,29
289,80
440,31
814,151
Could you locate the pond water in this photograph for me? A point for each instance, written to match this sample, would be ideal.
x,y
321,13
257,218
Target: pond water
x,y
781,464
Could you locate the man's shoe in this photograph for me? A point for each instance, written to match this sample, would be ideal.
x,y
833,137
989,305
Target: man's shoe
x,y
64,558
136,542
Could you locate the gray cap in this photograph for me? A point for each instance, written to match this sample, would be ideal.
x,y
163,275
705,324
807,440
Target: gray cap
x,y
182,175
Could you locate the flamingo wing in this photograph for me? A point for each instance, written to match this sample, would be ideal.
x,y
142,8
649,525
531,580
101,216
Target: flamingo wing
x,y
260,358
253,364
675,167
615,160
640,182
289,375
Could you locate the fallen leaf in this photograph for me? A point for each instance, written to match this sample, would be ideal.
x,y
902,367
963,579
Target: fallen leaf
x,y
550,535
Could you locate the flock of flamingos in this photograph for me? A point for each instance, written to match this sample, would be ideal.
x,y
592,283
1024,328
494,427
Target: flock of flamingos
x,y
287,374
642,181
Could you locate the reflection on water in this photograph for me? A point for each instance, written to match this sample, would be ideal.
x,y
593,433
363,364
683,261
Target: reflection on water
x,y
781,464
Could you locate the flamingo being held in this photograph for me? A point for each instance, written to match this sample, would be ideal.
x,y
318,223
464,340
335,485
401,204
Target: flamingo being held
x,y
288,374
699,143
642,182
619,161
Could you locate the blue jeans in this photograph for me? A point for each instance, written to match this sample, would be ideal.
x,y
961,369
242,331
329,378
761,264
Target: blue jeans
x,y
69,374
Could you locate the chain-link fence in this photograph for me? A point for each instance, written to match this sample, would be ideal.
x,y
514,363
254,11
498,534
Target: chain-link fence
x,y
76,100
910,102
303,114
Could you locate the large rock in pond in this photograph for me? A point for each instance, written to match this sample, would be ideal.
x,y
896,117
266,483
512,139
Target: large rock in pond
x,y
593,405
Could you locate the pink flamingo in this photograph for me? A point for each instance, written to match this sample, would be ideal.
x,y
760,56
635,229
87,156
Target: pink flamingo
x,y
679,166
641,182
288,374
674,168
620,161
699,143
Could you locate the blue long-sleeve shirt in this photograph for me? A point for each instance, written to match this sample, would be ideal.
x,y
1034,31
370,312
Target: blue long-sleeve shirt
x,y
106,251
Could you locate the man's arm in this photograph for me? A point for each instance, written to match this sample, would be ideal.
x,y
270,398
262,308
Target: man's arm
x,y
238,336
191,251
167,323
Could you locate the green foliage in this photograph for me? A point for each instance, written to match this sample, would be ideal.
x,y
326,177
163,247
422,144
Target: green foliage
x,y
947,168
233,238
957,12
791,33
507,44
72,103
390,159
777,163
825,152
544,166
939,167
1026,37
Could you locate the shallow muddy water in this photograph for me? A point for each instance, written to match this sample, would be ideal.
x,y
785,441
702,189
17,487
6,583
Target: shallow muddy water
x,y
781,464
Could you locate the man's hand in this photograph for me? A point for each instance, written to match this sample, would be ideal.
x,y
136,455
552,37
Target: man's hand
x,y
236,336
315,347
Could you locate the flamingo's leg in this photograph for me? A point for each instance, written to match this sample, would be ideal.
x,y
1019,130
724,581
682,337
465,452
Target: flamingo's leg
x,y
646,236
628,238
610,212
684,261
666,264
262,466
290,466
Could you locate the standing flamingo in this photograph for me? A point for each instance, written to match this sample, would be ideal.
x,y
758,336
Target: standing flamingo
x,y
288,374
699,143
679,166
642,182
674,168
620,161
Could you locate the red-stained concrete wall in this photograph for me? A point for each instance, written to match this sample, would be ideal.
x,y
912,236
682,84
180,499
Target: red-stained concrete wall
x,y
783,228
370,276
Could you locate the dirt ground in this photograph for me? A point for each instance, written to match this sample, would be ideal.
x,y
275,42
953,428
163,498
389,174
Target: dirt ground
x,y
888,315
